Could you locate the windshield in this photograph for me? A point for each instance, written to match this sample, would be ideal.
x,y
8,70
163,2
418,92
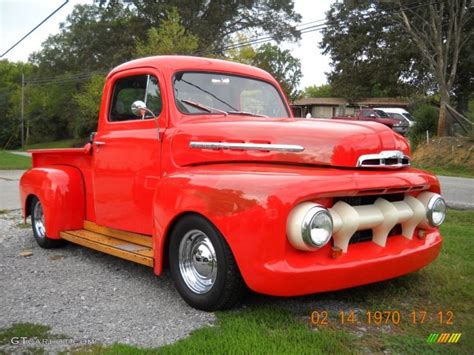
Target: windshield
x,y
213,93
396,116
382,114
409,116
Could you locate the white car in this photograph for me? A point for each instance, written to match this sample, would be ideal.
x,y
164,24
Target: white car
x,y
399,113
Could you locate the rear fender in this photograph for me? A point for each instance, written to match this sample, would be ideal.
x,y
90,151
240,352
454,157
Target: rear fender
x,y
61,192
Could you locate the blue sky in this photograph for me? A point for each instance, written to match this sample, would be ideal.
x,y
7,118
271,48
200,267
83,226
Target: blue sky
x,y
17,17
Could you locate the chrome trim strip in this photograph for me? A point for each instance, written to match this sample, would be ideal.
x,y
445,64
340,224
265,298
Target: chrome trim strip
x,y
381,157
247,146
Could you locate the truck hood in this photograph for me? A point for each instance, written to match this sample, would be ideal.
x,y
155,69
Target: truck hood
x,y
324,142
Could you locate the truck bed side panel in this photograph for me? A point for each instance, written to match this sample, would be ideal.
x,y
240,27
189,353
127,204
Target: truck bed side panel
x,y
79,158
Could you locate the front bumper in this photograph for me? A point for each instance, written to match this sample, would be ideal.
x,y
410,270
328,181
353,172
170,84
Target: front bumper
x,y
301,273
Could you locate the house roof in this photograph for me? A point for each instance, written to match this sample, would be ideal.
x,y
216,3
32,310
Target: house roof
x,y
339,101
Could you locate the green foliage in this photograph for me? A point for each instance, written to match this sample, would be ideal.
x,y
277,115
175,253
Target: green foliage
x,y
285,68
244,55
88,105
92,38
426,120
371,55
216,22
318,91
170,38
50,111
10,97
99,37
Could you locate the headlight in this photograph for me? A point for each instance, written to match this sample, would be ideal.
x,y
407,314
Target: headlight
x,y
309,226
436,210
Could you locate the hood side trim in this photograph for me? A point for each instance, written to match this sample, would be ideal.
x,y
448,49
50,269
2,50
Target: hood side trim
x,y
248,146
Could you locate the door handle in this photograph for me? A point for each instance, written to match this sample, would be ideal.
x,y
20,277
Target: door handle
x,y
98,143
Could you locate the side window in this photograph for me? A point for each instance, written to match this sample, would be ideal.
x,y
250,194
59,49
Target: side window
x,y
366,113
130,89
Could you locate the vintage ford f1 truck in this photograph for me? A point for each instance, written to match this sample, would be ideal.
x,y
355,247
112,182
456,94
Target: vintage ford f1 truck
x,y
198,165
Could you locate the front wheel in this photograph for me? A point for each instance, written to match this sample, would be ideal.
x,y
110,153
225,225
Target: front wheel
x,y
202,266
39,227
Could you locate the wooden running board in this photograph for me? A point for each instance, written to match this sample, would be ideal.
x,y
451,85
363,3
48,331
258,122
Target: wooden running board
x,y
126,245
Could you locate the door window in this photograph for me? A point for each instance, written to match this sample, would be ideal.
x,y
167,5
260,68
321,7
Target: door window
x,y
130,89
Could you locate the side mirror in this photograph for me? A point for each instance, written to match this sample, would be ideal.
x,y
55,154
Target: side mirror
x,y
139,109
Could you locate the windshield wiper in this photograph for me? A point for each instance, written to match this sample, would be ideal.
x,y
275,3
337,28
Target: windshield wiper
x,y
204,107
209,93
245,113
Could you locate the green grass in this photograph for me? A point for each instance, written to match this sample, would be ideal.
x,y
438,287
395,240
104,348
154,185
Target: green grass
x,y
272,326
33,332
258,330
459,171
24,330
13,161
65,143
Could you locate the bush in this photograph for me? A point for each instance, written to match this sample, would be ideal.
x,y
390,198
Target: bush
x,y
426,120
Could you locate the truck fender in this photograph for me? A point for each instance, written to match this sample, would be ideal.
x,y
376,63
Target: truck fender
x,y
230,210
60,189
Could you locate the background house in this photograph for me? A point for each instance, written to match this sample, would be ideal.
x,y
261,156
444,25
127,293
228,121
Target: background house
x,y
327,107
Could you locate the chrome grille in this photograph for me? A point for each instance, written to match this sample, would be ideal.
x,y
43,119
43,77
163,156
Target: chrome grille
x,y
390,159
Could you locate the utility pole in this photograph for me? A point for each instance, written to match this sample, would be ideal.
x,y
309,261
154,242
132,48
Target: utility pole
x,y
22,110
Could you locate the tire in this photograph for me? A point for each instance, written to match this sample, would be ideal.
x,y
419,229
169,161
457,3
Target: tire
x,y
38,226
208,286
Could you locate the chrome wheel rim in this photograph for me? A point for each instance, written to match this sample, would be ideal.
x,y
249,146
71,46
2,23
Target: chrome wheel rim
x,y
38,221
197,261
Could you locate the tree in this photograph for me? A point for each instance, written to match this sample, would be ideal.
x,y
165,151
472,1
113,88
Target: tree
x,y
170,38
215,22
439,31
88,104
244,55
103,35
370,55
50,110
318,91
92,38
285,68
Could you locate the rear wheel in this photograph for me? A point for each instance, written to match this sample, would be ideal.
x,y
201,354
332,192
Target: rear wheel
x,y
39,226
202,266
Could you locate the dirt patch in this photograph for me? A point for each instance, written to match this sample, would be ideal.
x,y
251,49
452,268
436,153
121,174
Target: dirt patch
x,y
446,152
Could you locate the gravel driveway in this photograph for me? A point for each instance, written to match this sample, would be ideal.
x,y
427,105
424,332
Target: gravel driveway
x,y
84,294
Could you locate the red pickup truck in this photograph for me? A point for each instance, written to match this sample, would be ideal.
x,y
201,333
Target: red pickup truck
x,y
199,166
374,115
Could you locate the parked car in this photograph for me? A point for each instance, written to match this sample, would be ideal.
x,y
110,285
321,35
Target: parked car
x,y
399,114
379,116
198,165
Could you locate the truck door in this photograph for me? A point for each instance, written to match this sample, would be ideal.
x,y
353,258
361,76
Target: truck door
x,y
126,150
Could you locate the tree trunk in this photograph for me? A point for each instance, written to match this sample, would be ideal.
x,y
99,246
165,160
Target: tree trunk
x,y
442,120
